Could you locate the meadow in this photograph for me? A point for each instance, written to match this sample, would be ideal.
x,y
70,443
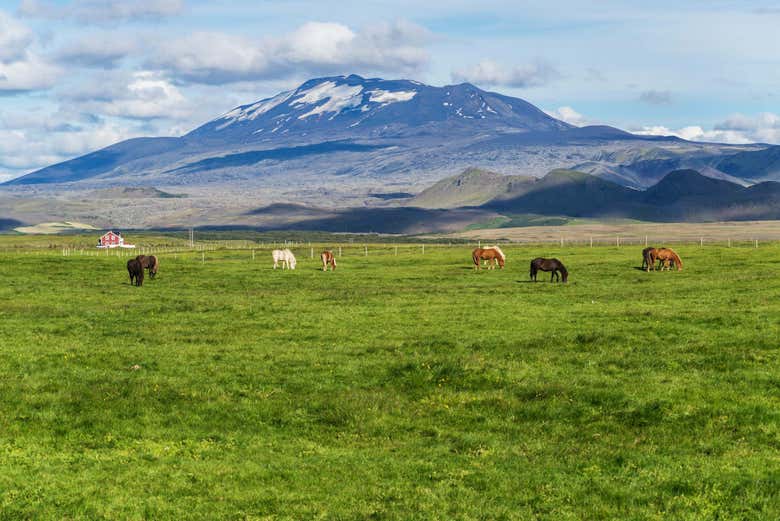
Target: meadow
x,y
403,386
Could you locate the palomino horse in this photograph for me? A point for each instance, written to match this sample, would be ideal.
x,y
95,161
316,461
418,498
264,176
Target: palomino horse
x,y
668,256
492,254
286,257
149,262
557,268
136,272
649,258
328,259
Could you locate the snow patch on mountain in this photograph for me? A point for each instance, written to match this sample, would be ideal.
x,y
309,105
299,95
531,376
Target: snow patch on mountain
x,y
386,97
337,98
251,112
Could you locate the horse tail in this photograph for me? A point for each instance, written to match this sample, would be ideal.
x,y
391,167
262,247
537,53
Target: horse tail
x,y
475,257
533,270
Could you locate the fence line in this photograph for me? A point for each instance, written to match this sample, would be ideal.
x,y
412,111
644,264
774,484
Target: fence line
x,y
251,249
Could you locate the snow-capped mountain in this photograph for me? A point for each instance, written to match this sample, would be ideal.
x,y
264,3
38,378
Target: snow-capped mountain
x,y
360,107
352,135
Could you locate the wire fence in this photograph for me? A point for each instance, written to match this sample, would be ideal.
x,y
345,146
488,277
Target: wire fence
x,y
253,250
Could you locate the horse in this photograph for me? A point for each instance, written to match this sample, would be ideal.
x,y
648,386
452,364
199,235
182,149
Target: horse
x,y
136,271
492,254
328,259
149,262
668,256
287,258
648,258
557,268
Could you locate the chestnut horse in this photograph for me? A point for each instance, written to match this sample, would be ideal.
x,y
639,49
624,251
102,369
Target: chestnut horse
x,y
328,259
149,262
668,256
557,268
136,271
492,255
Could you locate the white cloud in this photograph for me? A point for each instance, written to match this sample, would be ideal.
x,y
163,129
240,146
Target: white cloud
x,y
737,129
37,138
101,49
15,39
490,73
313,48
21,67
102,11
139,95
570,116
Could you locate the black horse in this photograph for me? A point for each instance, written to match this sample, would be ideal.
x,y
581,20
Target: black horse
x,y
557,268
136,271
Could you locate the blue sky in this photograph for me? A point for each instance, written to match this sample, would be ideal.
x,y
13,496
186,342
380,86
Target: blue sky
x,y
81,74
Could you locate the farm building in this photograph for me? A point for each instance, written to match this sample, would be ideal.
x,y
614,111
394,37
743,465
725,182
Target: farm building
x,y
112,239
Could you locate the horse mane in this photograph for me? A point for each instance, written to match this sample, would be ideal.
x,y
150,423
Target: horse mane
x,y
503,257
677,260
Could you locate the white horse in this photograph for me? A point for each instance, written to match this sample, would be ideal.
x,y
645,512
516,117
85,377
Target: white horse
x,y
286,256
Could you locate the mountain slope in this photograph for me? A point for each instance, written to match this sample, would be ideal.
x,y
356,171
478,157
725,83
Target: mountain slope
x,y
472,187
689,184
756,165
567,192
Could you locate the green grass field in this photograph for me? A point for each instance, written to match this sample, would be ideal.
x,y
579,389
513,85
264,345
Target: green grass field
x,y
398,387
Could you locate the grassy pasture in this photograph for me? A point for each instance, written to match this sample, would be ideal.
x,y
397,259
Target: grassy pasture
x,y
398,387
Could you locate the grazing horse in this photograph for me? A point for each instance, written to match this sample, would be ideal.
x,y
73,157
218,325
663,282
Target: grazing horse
x,y
648,258
668,256
492,254
328,259
149,262
557,268
286,257
136,272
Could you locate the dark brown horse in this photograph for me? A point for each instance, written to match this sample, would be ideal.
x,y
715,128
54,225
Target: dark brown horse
x,y
492,255
557,268
150,263
648,258
136,271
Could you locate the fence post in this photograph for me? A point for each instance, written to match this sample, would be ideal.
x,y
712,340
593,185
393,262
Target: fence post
x,y
617,241
591,242
339,251
756,243
312,252
423,249
365,248
202,257
645,240
561,242
396,250
253,254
